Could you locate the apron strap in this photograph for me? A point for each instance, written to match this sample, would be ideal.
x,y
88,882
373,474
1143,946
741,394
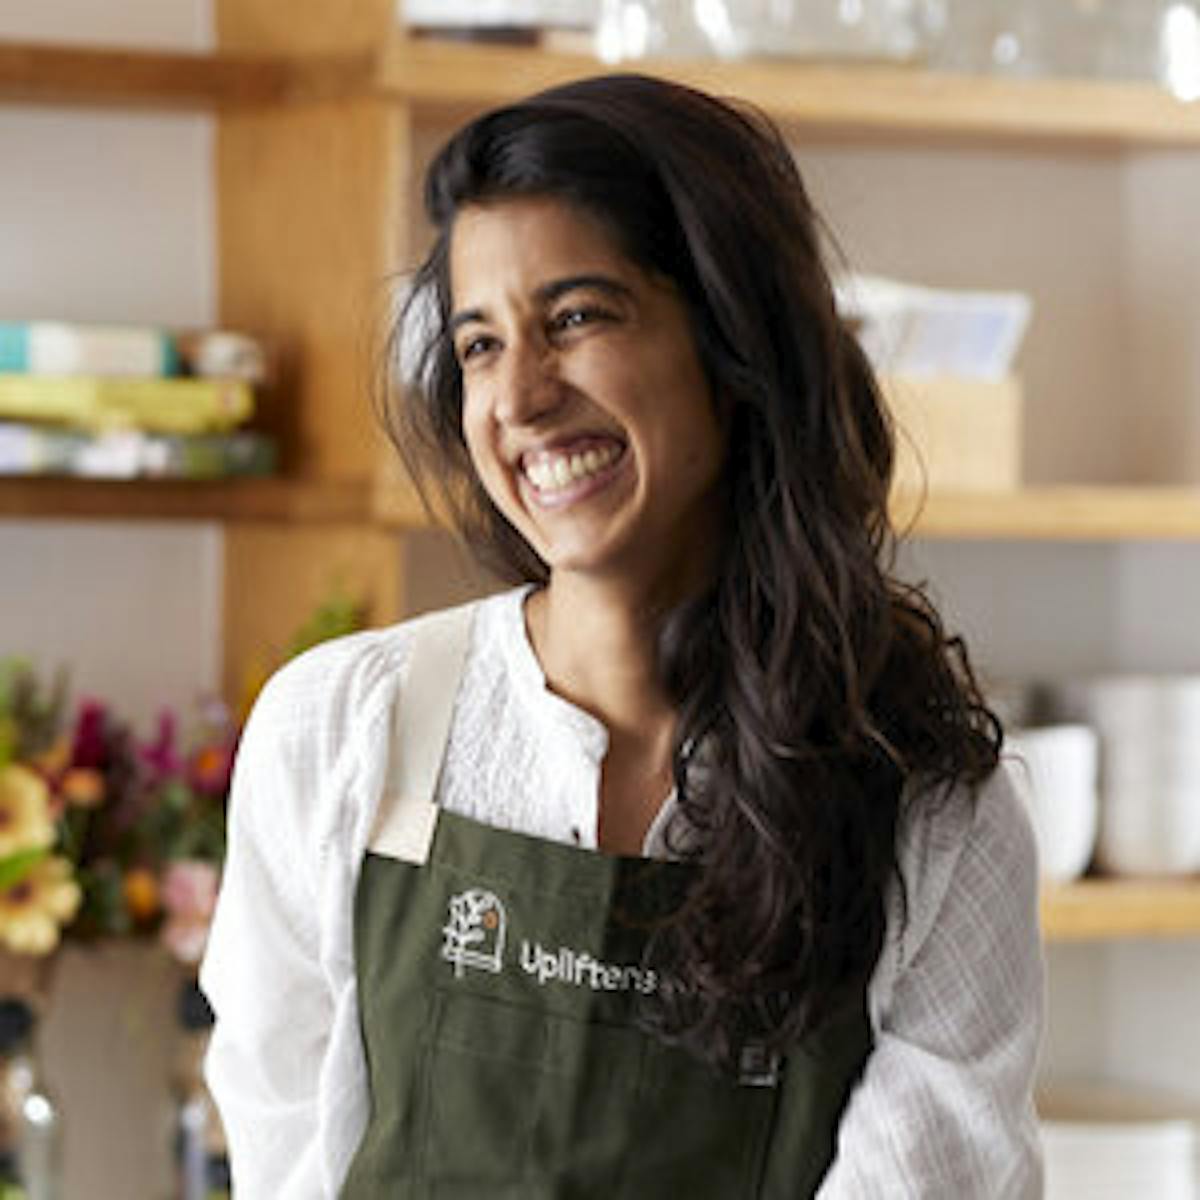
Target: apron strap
x,y
407,814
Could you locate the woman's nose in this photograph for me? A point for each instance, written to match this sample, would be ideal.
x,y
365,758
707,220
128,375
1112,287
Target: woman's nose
x,y
528,385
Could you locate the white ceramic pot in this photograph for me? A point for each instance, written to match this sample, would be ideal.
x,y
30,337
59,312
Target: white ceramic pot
x,y
1155,832
1057,765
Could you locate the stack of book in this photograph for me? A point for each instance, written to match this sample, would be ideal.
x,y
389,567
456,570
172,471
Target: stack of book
x,y
122,402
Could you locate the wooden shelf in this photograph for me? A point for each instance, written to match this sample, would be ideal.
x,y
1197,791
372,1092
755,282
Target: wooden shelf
x,y
83,75
846,101
1095,909
1050,514
173,500
1056,514
843,101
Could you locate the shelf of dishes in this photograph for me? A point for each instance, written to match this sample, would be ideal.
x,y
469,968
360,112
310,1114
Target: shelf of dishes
x,y
845,100
1110,767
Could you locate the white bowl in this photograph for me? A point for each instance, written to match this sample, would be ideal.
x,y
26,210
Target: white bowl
x,y
1151,1159
1152,832
1057,765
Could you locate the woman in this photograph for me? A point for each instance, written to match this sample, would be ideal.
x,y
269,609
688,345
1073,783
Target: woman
x,y
688,864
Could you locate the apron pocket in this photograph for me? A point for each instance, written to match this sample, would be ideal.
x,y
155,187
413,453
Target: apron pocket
x,y
515,1094
533,1105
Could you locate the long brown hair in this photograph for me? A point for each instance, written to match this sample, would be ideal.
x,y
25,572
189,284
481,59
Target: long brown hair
x,y
814,690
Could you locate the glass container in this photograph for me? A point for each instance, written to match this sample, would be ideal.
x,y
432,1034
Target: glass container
x,y
202,1161
835,29
629,29
30,1123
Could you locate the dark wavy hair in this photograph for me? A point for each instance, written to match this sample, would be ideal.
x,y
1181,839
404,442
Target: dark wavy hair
x,y
813,689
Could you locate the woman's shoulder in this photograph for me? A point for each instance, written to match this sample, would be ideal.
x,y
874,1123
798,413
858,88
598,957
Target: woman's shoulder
x,y
320,698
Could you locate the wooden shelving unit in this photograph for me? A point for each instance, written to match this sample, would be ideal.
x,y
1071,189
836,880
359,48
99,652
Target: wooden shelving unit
x,y
843,101
285,90
1095,909
232,500
1055,514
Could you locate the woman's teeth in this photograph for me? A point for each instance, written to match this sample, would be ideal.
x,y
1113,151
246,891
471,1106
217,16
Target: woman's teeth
x,y
559,471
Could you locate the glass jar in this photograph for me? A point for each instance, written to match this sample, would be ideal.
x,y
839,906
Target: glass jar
x,y
890,29
30,1124
1148,40
664,29
1179,49
1008,37
202,1161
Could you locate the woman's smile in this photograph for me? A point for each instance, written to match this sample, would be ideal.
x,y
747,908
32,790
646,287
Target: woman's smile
x,y
586,410
561,475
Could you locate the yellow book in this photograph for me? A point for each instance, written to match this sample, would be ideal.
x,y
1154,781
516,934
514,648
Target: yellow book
x,y
154,405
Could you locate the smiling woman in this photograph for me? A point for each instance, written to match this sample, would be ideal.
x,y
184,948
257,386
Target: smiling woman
x,y
586,411
688,865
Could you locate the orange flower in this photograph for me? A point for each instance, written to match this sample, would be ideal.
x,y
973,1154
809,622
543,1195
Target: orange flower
x,y
141,894
82,787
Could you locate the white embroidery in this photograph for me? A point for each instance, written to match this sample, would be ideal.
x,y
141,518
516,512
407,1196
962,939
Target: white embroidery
x,y
475,932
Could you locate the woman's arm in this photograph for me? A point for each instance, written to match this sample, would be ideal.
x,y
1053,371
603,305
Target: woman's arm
x,y
944,1110
262,976
285,1064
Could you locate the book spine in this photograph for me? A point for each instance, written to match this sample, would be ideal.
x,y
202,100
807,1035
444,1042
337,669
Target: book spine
x,y
157,405
60,348
130,454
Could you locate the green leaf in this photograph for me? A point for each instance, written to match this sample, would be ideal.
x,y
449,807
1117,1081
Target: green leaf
x,y
14,868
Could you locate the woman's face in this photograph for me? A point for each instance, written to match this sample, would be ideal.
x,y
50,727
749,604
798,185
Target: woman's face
x,y
585,408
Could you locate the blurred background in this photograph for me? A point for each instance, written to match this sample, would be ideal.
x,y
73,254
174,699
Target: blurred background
x,y
1013,189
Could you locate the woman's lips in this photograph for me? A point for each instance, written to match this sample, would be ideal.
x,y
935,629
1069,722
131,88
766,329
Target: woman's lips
x,y
559,474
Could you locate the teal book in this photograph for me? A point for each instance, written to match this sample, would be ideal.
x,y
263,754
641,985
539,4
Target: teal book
x,y
67,348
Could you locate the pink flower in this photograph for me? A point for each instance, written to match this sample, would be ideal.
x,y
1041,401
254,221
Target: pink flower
x,y
89,746
189,896
161,757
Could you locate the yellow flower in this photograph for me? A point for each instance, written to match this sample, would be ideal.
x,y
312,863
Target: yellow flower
x,y
33,910
25,822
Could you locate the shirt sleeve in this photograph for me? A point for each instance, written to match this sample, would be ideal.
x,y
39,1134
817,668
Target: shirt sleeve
x,y
262,976
944,1110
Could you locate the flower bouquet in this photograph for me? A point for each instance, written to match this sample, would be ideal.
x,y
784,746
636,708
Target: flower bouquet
x,y
101,835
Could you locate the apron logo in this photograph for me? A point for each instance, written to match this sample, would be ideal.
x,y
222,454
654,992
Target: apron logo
x,y
475,932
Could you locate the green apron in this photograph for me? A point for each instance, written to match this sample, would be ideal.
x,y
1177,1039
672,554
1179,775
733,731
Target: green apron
x,y
498,977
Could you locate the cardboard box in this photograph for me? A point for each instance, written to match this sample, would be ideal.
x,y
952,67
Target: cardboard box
x,y
955,434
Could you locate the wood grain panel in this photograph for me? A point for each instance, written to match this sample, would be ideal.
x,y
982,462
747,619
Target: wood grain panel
x,y
277,575
315,26
308,219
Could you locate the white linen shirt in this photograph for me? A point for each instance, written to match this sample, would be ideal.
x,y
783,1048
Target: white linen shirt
x,y
944,1107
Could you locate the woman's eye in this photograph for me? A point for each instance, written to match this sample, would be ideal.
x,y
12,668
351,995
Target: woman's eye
x,y
576,318
473,347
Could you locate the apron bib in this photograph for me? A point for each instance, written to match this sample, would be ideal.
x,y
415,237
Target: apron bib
x,y
498,979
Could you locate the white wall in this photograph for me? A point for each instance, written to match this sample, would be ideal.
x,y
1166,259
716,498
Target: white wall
x,y
108,216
